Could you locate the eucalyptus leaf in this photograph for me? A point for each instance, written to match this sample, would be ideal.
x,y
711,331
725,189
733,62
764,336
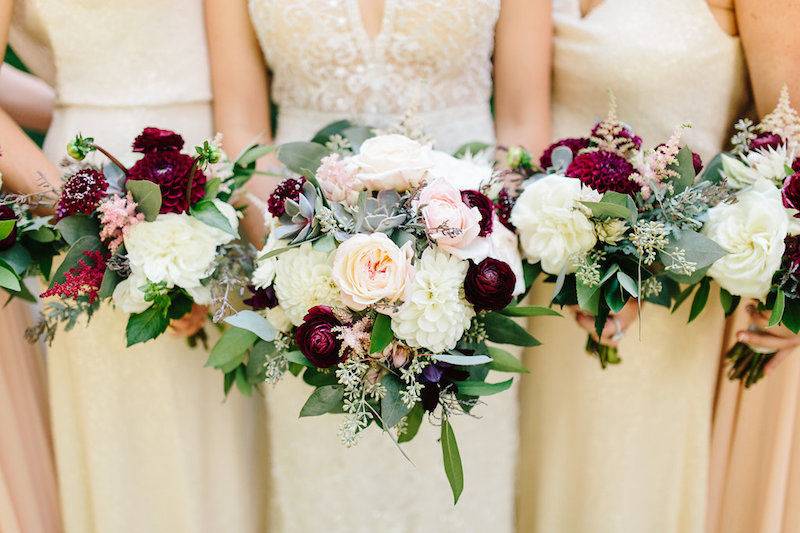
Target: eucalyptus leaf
x,y
713,170
392,407
253,154
74,227
323,400
110,281
147,196
208,213
628,283
18,257
685,169
253,322
697,248
463,360
334,128
357,135
231,347
325,244
43,235
608,210
300,157
8,278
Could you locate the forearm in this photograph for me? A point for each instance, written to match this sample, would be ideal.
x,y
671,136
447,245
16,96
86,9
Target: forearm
x,y
24,167
27,99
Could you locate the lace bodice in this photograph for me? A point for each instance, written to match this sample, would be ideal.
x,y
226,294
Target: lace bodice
x,y
430,55
115,52
666,61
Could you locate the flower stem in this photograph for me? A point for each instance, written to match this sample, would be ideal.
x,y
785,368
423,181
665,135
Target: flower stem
x,y
190,181
111,158
607,355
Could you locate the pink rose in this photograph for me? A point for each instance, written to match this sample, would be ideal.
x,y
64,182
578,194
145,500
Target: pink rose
x,y
337,181
451,223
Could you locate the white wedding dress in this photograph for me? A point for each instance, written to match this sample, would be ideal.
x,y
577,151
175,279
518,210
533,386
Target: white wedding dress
x,y
143,440
433,56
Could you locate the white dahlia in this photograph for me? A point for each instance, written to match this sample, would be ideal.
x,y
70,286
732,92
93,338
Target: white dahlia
x,y
303,279
769,164
435,313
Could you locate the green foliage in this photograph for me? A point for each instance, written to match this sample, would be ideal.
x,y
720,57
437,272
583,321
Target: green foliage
x,y
700,299
231,348
75,254
413,422
147,325
503,330
327,399
74,227
302,157
452,460
481,388
147,196
502,361
392,407
381,333
208,213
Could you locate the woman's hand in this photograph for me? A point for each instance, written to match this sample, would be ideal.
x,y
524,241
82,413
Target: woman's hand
x,y
777,338
616,324
191,322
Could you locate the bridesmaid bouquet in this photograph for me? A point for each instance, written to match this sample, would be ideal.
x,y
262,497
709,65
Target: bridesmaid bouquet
x,y
760,230
28,242
154,239
387,270
610,222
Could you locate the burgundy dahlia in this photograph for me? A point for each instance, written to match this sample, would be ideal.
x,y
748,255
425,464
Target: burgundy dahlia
x,y
264,298
790,193
157,140
503,206
317,340
489,285
288,189
7,213
766,140
81,193
576,144
170,171
603,171
477,199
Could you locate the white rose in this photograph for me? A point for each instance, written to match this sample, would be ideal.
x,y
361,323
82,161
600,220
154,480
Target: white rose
x,y
769,164
551,224
752,231
128,296
176,249
461,173
391,162
371,268
505,247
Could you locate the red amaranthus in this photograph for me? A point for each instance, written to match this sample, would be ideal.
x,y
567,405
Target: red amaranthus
x,y
82,280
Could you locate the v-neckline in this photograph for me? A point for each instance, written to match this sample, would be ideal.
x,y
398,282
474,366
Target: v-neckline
x,y
591,11
358,20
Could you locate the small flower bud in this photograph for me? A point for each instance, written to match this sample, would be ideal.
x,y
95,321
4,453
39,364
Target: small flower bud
x,y
79,147
518,157
611,230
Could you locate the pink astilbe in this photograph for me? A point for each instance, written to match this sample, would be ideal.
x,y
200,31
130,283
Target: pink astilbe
x,y
656,168
117,215
81,280
356,336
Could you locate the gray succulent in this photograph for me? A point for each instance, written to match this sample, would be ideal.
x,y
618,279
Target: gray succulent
x,y
299,223
382,213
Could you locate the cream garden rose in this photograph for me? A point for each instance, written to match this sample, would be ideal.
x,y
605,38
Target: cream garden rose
x,y
391,162
369,269
451,223
752,231
461,173
552,225
176,249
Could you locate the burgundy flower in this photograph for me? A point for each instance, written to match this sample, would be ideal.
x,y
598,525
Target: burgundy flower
x,y
170,171
503,206
261,298
435,378
576,144
791,192
625,133
484,204
697,162
316,339
766,140
83,280
288,189
157,140
792,253
81,193
7,213
489,285
796,164
603,171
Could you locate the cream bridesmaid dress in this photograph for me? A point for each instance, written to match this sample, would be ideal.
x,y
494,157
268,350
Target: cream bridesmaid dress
x,y
626,449
144,441
433,55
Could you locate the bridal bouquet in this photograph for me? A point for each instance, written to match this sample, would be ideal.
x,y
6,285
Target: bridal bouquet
x,y
610,222
154,239
28,242
387,270
760,230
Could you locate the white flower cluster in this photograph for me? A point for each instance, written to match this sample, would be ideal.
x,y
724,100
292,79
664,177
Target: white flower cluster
x,y
176,250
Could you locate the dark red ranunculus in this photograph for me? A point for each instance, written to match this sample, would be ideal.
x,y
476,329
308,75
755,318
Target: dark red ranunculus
x,y
790,193
603,171
576,144
264,298
316,339
170,171
489,285
7,213
157,140
484,204
81,193
766,140
288,189
503,207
